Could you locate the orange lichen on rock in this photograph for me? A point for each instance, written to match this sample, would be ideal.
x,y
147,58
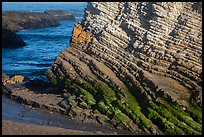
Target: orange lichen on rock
x,y
80,38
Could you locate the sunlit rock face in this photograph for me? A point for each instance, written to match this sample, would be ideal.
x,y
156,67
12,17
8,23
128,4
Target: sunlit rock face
x,y
147,53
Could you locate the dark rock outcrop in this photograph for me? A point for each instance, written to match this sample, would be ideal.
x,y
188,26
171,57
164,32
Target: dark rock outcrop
x,y
11,39
138,63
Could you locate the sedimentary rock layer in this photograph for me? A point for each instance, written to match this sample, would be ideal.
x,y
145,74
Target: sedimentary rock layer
x,y
138,63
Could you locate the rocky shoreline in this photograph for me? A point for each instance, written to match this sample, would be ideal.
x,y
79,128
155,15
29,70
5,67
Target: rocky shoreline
x,y
38,97
135,65
13,21
48,97
18,20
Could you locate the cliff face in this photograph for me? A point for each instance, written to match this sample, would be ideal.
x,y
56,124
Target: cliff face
x,y
138,63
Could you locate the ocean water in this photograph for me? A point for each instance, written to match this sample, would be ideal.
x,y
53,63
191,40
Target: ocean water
x,y
43,45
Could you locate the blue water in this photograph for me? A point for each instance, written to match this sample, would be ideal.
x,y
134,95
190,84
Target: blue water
x,y
76,8
42,45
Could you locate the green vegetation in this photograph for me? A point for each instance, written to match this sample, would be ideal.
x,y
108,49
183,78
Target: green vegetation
x,y
122,120
136,114
102,107
181,115
164,113
195,112
53,81
80,92
87,97
83,105
124,111
164,124
101,97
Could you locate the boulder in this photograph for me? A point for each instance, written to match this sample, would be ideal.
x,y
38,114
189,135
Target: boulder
x,y
15,79
18,78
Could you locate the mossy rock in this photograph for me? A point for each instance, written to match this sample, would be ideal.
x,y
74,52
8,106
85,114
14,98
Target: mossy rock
x,y
171,118
163,124
79,91
96,111
181,115
86,85
84,105
88,98
102,107
195,112
53,81
109,101
122,126
74,111
72,102
109,113
122,121
106,92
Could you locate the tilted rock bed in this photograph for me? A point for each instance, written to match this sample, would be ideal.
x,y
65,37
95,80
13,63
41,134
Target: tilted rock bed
x,y
139,64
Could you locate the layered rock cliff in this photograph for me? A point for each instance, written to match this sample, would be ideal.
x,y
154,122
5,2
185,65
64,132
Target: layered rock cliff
x,y
138,63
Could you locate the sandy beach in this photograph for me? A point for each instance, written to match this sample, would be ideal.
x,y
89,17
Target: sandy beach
x,y
16,128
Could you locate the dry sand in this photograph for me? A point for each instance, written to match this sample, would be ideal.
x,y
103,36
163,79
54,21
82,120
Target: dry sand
x,y
15,128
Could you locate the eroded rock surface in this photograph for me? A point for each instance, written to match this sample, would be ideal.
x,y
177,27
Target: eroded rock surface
x,y
138,63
